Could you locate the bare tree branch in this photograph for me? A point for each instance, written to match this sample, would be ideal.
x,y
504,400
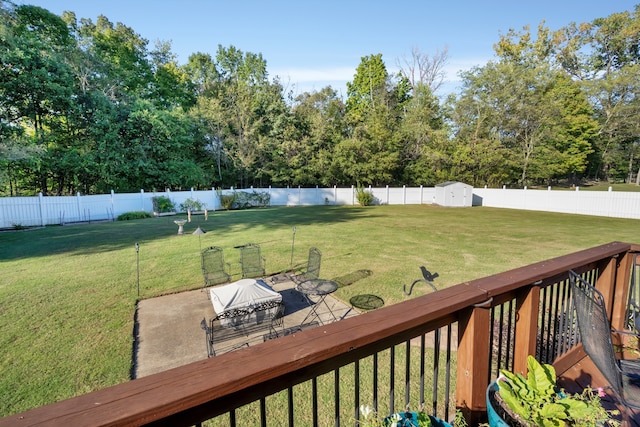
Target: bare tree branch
x,y
425,69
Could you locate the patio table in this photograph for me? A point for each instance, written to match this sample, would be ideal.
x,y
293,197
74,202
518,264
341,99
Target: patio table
x,y
242,296
320,288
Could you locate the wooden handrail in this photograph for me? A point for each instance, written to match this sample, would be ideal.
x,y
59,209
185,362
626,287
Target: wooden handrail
x,y
189,394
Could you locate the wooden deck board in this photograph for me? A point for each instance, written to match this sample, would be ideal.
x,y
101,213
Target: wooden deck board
x,y
585,374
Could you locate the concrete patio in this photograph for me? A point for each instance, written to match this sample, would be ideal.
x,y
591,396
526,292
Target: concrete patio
x,y
169,332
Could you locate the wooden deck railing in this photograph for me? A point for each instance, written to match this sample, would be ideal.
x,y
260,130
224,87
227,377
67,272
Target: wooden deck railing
x,y
367,359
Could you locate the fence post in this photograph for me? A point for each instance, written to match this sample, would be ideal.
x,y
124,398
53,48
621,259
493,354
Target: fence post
x,y
79,206
353,195
142,200
113,207
41,203
610,201
421,194
404,194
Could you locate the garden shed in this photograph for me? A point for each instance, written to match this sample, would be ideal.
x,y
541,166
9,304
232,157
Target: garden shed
x,y
454,194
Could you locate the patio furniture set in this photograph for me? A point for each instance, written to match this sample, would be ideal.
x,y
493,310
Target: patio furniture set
x,y
248,309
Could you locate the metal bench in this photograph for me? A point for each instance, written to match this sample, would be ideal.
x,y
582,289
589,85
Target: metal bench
x,y
233,329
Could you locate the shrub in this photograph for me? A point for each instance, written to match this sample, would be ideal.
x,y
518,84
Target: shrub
x,y
227,200
162,204
192,205
365,197
244,200
254,199
133,215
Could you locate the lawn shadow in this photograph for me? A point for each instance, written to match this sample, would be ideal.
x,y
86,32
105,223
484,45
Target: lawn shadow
x,y
104,237
351,278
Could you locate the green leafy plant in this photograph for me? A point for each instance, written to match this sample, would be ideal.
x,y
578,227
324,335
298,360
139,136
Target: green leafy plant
x,y
162,204
365,197
227,200
133,215
408,418
244,199
371,418
192,205
538,402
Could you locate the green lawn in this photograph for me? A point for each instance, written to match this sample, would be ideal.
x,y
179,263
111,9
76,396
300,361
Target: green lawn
x,y
68,293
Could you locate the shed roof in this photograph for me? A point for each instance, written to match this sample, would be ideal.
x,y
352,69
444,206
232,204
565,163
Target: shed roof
x,y
447,183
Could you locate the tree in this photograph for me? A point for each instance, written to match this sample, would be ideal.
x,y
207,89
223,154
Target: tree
x,y
124,71
172,85
36,83
241,78
603,55
424,69
306,152
531,103
371,152
426,148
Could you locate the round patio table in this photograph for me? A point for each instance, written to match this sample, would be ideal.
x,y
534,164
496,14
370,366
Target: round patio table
x,y
319,288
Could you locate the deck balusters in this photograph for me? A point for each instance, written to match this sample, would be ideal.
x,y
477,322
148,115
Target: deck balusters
x,y
392,378
263,412
314,401
436,365
422,367
407,374
290,405
336,392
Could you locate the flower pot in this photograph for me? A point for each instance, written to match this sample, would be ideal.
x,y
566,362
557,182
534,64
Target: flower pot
x,y
410,419
495,420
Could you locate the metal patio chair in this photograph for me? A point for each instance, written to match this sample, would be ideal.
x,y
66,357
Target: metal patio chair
x,y
312,270
251,261
595,332
214,269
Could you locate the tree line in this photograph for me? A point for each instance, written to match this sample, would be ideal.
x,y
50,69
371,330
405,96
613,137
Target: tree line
x,y
91,107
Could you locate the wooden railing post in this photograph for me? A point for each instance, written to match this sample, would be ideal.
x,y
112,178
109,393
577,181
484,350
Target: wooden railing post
x,y
622,290
613,283
473,363
527,309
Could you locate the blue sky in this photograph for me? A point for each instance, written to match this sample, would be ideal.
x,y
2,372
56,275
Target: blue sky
x,y
312,44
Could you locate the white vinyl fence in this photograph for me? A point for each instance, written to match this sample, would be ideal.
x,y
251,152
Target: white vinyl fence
x,y
619,204
48,210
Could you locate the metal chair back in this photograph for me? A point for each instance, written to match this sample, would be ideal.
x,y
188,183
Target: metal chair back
x,y
313,264
595,334
312,270
251,261
213,266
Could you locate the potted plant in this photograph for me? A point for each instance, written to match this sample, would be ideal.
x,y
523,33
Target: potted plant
x,y
162,205
536,400
370,418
